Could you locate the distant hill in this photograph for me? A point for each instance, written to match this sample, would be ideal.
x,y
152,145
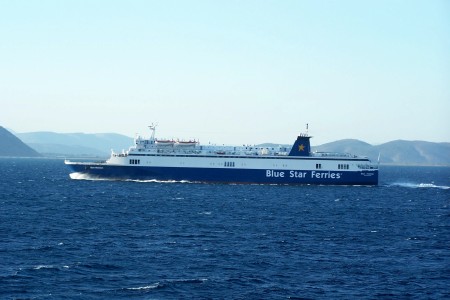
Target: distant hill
x,y
395,152
349,146
415,152
10,145
76,144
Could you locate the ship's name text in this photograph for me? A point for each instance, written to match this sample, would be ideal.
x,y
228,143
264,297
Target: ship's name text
x,y
300,174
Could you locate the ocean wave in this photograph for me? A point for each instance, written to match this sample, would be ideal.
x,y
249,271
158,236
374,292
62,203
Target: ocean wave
x,y
207,213
50,267
419,185
158,181
165,283
83,176
146,287
24,272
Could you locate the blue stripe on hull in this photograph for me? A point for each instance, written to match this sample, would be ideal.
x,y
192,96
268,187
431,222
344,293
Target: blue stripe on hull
x,y
231,175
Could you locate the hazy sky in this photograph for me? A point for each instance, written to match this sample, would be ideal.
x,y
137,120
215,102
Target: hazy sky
x,y
228,71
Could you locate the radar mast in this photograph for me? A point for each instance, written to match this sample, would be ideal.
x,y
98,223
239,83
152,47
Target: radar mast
x,y
153,129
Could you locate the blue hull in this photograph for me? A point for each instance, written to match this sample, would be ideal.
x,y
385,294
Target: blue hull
x,y
225,175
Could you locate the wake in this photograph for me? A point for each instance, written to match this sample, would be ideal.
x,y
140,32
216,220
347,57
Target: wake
x,y
419,185
83,176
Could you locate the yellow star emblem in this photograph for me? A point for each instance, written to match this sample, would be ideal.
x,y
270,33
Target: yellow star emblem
x,y
301,147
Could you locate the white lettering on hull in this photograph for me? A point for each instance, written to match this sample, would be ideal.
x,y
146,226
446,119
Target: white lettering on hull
x,y
297,174
303,174
325,175
272,173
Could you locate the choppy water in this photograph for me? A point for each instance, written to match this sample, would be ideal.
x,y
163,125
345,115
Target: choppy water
x,y
63,238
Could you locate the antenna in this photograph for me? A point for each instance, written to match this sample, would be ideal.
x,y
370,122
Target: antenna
x,y
153,129
153,126
307,125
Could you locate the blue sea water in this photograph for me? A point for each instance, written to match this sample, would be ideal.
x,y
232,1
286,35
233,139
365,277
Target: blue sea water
x,y
63,238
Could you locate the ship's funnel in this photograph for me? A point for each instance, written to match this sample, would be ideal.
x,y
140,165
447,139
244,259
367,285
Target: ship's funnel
x,y
301,146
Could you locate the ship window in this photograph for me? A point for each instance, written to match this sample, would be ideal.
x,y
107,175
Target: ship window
x,y
229,164
318,166
135,161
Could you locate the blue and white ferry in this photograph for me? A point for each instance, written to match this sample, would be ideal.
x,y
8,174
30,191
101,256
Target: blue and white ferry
x,y
187,160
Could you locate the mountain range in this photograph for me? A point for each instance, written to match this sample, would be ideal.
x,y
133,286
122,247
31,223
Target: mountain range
x,y
75,144
10,145
51,144
394,152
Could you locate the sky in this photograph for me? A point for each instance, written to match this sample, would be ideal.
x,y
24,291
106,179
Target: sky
x,y
233,72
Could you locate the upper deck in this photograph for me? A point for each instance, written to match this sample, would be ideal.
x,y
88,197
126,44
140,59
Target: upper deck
x,y
170,147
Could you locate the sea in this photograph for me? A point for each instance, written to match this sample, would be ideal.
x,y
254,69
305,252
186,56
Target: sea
x,y
62,238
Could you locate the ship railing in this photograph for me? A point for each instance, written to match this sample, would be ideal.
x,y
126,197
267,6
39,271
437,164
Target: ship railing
x,y
97,162
281,153
367,166
100,162
332,154
178,151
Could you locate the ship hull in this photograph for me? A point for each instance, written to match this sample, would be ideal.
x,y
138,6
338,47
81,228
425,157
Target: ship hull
x,y
224,175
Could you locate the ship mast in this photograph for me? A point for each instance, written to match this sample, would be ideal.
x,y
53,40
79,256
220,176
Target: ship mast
x,y
153,129
306,133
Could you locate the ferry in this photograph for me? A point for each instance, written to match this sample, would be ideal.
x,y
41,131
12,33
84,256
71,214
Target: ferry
x,y
188,160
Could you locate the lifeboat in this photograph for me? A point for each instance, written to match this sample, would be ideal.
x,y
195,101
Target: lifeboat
x,y
164,142
186,143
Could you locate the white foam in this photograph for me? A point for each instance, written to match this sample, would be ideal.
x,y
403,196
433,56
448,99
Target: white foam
x,y
147,287
158,181
84,176
43,267
79,176
420,185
